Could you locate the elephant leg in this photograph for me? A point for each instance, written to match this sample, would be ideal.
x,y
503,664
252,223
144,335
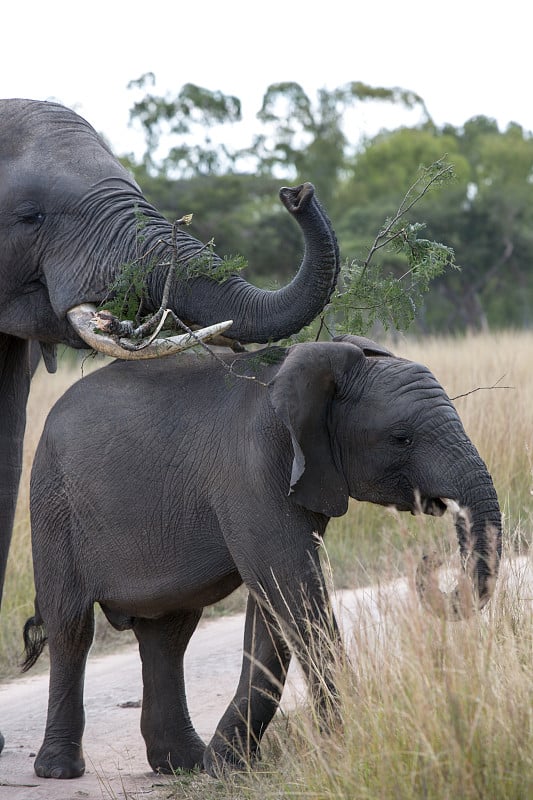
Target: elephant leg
x,y
15,378
265,662
171,740
61,754
290,583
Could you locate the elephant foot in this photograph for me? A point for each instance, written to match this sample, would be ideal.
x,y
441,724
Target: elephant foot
x,y
167,760
223,756
69,763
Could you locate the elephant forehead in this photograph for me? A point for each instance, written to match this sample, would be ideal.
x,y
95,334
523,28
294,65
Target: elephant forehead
x,y
400,377
403,390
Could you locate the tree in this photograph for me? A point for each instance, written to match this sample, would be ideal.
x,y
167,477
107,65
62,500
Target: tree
x,y
190,115
484,215
307,140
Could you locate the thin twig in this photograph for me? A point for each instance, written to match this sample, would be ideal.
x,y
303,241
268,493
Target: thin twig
x,y
483,388
403,209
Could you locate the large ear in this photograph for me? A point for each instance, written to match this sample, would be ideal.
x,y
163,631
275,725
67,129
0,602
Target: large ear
x,y
301,394
368,346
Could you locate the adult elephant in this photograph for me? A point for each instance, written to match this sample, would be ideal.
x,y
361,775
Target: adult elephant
x,y
239,475
69,217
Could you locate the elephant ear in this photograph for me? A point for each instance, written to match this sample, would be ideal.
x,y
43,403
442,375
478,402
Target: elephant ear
x,y
368,346
301,394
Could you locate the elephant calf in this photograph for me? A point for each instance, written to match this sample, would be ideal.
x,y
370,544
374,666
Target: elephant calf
x,y
159,487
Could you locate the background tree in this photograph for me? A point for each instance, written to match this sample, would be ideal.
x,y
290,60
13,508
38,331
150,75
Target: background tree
x,y
485,215
189,116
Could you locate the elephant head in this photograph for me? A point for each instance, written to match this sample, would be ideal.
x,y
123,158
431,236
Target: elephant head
x,y
367,425
69,218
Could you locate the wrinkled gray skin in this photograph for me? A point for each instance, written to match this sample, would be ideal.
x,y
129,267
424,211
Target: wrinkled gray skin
x,y
193,482
67,224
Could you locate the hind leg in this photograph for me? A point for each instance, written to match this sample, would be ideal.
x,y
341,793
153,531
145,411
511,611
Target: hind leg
x,y
171,741
61,754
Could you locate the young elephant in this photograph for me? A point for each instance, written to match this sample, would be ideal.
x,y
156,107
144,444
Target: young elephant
x,y
159,487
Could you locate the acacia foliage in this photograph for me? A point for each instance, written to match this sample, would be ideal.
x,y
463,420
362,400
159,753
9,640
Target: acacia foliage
x,y
484,216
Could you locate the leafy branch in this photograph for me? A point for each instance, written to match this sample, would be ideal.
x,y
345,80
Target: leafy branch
x,y
123,311
367,294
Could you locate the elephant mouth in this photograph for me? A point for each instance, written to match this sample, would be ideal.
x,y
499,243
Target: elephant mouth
x,y
433,506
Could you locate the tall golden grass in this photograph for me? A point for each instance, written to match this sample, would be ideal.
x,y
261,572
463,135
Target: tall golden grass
x,y
493,373
428,709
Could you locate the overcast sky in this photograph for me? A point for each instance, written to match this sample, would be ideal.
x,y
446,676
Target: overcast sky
x,y
462,57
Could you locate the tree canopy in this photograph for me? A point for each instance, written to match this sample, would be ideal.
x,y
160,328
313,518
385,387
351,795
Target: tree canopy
x,y
484,215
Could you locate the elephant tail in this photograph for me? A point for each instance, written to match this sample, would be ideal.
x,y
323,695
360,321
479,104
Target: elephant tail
x,y
34,640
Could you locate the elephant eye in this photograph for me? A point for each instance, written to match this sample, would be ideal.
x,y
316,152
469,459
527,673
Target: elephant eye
x,y
403,439
30,215
33,219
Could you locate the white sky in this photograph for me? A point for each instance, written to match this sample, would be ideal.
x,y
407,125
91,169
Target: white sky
x,y
463,57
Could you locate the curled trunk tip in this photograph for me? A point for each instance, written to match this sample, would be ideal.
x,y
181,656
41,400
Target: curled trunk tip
x,y
455,605
475,584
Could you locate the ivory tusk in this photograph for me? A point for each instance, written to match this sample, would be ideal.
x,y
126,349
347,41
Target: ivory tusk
x,y
81,319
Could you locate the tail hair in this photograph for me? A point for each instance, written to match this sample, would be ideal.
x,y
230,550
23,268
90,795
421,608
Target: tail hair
x,y
34,641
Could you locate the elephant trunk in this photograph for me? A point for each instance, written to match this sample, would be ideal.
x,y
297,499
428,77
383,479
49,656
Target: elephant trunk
x,y
479,531
259,315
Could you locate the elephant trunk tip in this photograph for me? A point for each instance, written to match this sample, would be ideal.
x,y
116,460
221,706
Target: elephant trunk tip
x,y
296,198
475,585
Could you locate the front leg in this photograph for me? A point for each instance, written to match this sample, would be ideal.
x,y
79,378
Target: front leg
x,y
15,377
265,662
291,609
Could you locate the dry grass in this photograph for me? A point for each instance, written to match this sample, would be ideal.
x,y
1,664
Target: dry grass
x,y
430,710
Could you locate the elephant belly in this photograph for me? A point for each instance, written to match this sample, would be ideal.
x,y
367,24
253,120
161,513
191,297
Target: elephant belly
x,y
158,590
121,612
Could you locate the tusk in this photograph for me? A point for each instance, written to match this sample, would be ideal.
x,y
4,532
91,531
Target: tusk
x,y
81,319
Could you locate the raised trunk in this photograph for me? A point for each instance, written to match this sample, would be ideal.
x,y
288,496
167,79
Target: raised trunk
x,y
259,315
